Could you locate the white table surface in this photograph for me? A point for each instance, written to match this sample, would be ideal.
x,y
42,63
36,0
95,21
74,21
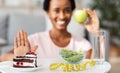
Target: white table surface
x,y
6,67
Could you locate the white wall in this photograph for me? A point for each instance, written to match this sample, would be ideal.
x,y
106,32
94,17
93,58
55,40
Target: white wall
x,y
21,2
12,2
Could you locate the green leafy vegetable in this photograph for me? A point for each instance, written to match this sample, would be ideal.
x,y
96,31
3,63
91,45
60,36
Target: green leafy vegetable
x,y
72,56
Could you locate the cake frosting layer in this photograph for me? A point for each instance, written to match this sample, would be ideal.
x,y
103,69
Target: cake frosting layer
x,y
23,66
23,60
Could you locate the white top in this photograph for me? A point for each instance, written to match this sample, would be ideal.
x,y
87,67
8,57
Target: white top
x,y
47,49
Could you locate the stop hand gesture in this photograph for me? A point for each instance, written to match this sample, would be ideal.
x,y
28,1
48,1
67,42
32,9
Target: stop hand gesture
x,y
22,45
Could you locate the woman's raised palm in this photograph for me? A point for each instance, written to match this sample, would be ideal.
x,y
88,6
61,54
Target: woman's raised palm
x,y
22,45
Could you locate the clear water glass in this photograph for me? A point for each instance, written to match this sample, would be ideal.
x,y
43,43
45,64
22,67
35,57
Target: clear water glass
x,y
98,40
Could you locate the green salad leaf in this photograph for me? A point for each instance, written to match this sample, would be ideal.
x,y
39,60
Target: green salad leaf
x,y
71,56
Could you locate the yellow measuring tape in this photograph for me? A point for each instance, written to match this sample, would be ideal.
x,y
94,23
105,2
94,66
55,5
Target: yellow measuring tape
x,y
72,67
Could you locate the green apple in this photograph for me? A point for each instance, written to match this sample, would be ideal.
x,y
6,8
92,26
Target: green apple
x,y
80,16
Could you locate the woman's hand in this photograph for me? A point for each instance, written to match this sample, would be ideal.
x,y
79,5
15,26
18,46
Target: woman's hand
x,y
22,45
93,24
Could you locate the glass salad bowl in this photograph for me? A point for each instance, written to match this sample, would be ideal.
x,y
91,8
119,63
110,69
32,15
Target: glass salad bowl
x,y
71,56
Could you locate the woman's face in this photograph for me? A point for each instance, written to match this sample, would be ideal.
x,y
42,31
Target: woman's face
x,y
60,13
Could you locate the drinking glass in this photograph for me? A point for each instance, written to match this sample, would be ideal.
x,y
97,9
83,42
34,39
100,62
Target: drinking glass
x,y
98,40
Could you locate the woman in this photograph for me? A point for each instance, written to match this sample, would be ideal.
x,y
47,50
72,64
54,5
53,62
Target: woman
x,y
48,44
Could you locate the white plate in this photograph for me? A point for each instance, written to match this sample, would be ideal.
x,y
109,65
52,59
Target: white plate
x,y
27,69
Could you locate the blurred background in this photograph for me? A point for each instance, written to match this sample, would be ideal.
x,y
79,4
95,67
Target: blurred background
x,y
29,15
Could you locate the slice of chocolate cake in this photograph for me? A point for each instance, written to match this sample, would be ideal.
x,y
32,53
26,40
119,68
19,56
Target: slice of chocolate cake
x,y
27,61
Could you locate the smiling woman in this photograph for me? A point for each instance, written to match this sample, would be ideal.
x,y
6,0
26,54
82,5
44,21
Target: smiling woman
x,y
48,44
